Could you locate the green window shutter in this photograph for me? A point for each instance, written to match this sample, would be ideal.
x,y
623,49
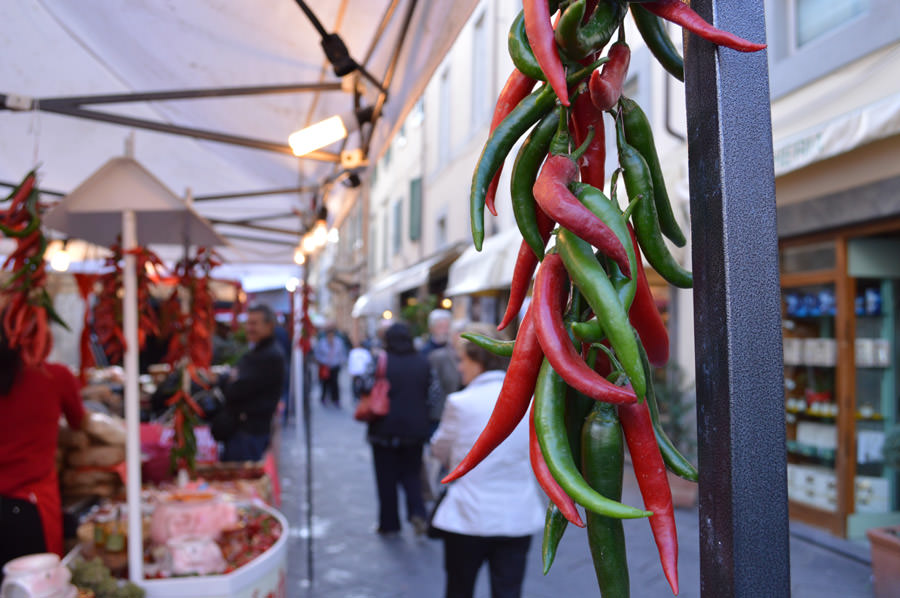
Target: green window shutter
x,y
415,209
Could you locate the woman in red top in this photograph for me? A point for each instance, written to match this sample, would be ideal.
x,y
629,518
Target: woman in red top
x,y
31,400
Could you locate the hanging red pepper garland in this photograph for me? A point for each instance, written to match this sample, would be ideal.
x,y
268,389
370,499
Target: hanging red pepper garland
x,y
191,345
28,308
628,330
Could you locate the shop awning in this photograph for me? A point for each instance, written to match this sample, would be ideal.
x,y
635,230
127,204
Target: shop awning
x,y
488,269
383,294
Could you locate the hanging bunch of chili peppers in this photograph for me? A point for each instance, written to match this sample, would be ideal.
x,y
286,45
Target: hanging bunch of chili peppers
x,y
29,309
191,344
587,343
86,283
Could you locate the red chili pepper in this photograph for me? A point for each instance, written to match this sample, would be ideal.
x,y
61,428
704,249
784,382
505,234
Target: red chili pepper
x,y
526,262
654,484
682,14
545,478
512,403
550,290
553,196
645,318
606,85
593,162
517,87
539,30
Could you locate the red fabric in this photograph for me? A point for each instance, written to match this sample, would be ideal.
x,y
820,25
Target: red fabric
x,y
28,431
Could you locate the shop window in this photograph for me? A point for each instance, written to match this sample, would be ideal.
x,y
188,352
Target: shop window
x,y
397,229
810,38
806,258
444,102
480,78
441,232
415,209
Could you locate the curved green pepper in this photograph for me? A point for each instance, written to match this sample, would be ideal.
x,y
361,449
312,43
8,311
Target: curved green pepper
x,y
520,50
593,282
550,427
639,135
578,40
492,345
658,42
639,185
524,173
555,524
603,464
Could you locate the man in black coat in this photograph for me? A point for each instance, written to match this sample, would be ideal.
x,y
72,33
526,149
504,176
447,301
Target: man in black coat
x,y
253,394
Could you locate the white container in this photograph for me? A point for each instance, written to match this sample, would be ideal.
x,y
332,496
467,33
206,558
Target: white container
x,y
871,494
865,352
35,576
793,351
820,351
882,352
265,575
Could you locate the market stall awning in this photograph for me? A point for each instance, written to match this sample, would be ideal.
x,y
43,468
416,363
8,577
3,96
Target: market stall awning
x,y
60,54
488,269
383,294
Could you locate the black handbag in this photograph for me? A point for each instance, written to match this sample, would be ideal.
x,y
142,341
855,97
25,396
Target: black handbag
x,y
224,424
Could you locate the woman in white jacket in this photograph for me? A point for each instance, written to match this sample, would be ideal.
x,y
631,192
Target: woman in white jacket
x,y
490,513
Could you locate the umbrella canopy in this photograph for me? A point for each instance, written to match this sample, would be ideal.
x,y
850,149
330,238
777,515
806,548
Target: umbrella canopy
x,y
57,50
93,211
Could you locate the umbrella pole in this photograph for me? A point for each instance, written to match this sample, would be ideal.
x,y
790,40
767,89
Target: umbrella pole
x,y
132,403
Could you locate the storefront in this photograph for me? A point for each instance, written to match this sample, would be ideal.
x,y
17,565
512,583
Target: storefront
x,y
840,277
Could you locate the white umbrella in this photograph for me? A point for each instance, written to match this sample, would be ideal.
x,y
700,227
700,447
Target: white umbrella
x,y
123,198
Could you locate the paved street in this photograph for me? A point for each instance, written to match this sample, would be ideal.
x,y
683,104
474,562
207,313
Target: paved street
x,y
351,561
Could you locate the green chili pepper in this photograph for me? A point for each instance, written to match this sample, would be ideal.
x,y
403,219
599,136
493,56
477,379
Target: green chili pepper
x,y
639,185
639,135
674,460
590,331
555,524
529,111
524,173
493,345
591,279
578,40
609,213
653,31
550,427
602,464
520,50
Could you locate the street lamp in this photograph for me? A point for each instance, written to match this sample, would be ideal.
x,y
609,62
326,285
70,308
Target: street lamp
x,y
327,131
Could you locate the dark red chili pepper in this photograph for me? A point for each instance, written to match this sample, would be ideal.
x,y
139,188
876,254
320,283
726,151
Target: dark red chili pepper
x,y
526,262
592,163
606,84
545,478
645,317
512,403
553,196
681,14
654,484
549,288
540,35
517,88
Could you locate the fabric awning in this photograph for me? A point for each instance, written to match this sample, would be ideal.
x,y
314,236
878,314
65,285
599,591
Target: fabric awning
x,y
383,294
488,269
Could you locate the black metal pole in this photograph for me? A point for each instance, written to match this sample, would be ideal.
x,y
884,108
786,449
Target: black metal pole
x,y
744,549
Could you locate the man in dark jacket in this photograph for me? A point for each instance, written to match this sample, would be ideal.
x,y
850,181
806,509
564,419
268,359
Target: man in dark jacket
x,y
253,393
398,437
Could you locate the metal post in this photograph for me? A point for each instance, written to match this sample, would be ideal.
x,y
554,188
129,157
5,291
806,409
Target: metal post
x,y
132,402
740,406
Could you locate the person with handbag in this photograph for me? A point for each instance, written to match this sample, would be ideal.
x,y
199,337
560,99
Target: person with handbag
x,y
253,392
478,518
398,437
330,353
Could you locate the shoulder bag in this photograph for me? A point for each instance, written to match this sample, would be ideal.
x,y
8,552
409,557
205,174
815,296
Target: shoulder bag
x,y
375,403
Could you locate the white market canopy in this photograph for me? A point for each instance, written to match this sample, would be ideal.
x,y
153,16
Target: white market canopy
x,y
68,64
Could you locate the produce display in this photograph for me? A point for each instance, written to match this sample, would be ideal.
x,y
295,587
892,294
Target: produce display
x,y
588,341
92,458
94,580
29,309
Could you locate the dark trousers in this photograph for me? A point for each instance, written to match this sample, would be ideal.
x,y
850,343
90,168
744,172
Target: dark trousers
x,y
330,386
21,530
245,447
398,466
464,555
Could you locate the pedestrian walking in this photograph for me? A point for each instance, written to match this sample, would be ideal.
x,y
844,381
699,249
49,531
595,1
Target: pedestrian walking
x,y
330,354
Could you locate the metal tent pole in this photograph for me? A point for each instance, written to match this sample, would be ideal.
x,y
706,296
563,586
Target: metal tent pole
x,y
740,405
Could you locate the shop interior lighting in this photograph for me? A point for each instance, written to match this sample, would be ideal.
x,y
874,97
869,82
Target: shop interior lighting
x,y
446,303
292,283
326,132
299,256
387,314
60,260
